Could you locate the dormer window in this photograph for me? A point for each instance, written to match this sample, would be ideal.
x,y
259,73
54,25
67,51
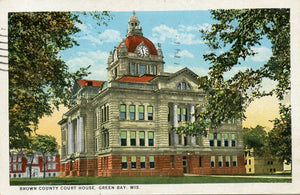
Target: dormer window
x,y
183,86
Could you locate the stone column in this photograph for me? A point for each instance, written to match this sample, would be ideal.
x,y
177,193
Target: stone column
x,y
192,119
175,124
70,138
80,140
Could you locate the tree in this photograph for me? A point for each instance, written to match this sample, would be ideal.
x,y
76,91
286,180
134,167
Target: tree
x,y
255,138
46,145
236,33
279,138
39,80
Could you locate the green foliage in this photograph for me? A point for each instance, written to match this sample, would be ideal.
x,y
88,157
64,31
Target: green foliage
x,y
39,80
255,138
237,32
279,138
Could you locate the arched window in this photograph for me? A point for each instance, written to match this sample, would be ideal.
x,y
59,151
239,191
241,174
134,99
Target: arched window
x,y
184,86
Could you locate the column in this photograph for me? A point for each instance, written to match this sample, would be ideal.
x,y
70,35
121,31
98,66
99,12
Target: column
x,y
192,119
70,138
80,140
175,124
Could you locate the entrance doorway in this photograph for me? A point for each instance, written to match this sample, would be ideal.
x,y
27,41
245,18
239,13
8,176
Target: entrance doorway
x,y
184,164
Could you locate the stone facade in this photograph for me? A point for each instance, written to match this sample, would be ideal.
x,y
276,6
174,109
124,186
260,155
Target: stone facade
x,y
125,126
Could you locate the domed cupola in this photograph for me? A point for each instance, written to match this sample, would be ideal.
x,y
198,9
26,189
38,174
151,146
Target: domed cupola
x,y
134,26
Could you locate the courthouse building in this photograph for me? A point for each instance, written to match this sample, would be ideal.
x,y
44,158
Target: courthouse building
x,y
125,126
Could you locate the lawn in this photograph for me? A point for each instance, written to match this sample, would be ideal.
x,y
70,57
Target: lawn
x,y
146,180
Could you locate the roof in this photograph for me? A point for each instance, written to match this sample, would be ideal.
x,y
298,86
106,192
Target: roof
x,y
133,41
94,83
142,79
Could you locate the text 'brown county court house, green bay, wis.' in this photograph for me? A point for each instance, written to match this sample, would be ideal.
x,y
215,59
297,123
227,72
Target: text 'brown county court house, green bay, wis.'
x,y
125,126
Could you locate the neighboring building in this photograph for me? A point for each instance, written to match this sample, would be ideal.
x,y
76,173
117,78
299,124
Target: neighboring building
x,y
265,164
125,126
19,166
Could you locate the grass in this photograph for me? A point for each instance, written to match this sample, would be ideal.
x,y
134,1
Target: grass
x,y
142,180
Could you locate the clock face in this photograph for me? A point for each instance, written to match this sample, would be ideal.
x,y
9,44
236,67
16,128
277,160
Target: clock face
x,y
142,50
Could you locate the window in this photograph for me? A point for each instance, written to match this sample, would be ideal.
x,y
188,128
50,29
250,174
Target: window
x,y
142,138
151,162
150,138
234,161
149,86
179,86
19,159
150,112
151,69
227,161
142,69
19,167
143,162
14,158
140,85
124,162
249,161
141,112
131,84
188,87
133,162
132,112
132,70
123,138
218,139
123,111
200,161
211,139
172,161
233,140
249,169
122,84
132,138
226,140
183,85
184,114
169,117
179,114
212,161
14,167
220,161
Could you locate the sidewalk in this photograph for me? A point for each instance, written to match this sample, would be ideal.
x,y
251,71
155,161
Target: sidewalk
x,y
245,176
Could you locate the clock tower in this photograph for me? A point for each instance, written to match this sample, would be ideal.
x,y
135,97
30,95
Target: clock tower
x,y
135,55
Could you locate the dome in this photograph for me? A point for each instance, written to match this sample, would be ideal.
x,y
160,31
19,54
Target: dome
x,y
133,41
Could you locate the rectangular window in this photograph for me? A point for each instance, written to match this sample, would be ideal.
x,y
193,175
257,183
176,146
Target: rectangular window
x,y
143,162
179,114
122,84
149,86
19,159
200,161
172,161
132,138
14,167
211,139
140,85
226,140
132,112
142,69
14,158
133,162
123,111
212,161
233,140
142,138
124,162
150,112
151,138
227,161
141,112
123,138
184,114
151,162
220,161
218,139
169,116
151,69
131,84
19,167
132,69
249,161
234,161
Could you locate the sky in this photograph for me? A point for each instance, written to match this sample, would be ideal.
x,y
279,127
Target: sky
x,y
178,33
